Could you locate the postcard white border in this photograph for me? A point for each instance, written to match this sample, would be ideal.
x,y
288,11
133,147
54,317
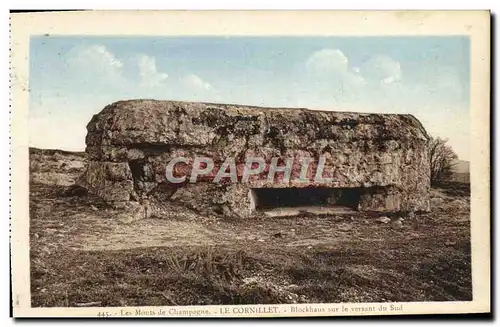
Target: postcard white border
x,y
475,24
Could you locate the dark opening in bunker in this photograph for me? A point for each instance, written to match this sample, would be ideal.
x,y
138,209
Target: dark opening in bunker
x,y
307,197
137,169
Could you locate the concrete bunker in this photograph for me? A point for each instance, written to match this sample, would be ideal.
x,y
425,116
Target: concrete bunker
x,y
372,162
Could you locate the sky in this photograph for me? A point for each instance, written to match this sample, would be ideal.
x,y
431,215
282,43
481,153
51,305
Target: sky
x,y
73,78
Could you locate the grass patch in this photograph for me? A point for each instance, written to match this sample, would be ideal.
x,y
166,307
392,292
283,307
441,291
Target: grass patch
x,y
178,276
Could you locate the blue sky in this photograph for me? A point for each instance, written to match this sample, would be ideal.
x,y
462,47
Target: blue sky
x,y
72,78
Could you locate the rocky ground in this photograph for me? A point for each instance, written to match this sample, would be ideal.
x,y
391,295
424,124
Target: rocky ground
x,y
80,254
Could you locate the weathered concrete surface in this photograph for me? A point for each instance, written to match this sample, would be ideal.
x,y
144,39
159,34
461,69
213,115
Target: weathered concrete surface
x,y
129,144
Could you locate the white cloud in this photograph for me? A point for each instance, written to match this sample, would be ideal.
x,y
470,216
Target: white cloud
x,y
382,69
196,83
92,59
150,76
330,80
332,65
333,62
95,67
327,61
